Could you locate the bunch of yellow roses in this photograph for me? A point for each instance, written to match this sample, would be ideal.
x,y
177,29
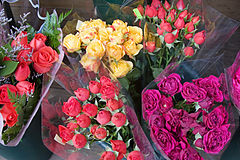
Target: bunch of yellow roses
x,y
107,43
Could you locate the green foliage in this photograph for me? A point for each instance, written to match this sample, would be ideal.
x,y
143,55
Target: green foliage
x,y
31,33
9,67
11,133
124,82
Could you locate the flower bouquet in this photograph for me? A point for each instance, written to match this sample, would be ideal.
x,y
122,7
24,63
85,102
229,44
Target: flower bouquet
x,y
26,56
188,112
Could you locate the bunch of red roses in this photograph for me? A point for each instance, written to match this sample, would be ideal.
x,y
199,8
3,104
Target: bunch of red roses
x,y
180,115
98,114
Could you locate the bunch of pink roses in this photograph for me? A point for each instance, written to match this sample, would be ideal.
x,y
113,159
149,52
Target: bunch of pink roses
x,y
98,114
181,115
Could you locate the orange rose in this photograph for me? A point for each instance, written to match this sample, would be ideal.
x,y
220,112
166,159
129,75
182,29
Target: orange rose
x,y
115,51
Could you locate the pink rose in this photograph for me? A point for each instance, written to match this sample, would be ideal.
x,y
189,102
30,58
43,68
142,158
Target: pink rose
x,y
114,104
79,141
72,126
171,84
93,129
100,133
190,26
65,133
119,119
170,17
180,5
159,31
90,110
94,87
25,87
188,36
38,41
189,154
72,107
172,120
22,72
9,114
165,104
4,94
193,93
150,46
215,140
108,91
156,122
21,39
195,19
24,55
183,14
150,11
199,37
104,80
161,13
165,26
156,3
104,117
135,155
83,121
188,51
119,146
179,23
108,155
82,94
167,5
169,38
140,9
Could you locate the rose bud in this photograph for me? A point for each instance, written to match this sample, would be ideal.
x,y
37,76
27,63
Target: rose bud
x,y
79,140
22,72
94,87
120,156
199,143
199,37
38,41
180,5
104,117
104,80
167,5
188,36
173,11
100,133
108,155
189,26
90,110
170,17
82,94
150,11
150,46
93,129
189,16
43,59
176,35
169,38
9,114
119,119
4,94
179,24
65,133
195,19
156,3
25,87
188,51
83,121
119,146
166,26
159,31
21,39
140,9
161,13
24,55
135,155
183,14
72,126
72,107
6,59
113,104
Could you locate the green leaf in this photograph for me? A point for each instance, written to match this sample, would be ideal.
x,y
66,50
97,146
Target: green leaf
x,y
124,82
128,142
119,137
156,71
63,16
31,33
138,14
9,67
10,133
134,75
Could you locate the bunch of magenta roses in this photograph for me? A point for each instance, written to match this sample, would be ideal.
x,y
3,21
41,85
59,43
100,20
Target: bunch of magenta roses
x,y
170,33
23,60
97,114
186,117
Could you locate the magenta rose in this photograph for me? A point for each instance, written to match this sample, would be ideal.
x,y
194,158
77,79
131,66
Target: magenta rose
x,y
175,153
165,104
216,118
189,154
172,120
188,121
236,80
193,93
156,122
207,103
215,140
150,101
171,84
72,107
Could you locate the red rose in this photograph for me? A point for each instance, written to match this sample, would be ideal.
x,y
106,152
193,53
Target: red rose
x,y
21,39
161,13
150,11
83,121
156,3
135,155
189,16
3,93
113,104
189,26
104,117
6,59
119,119
183,14
90,110
188,36
170,17
167,5
94,87
82,94
38,41
180,5
9,114
179,24
195,19
25,87
108,155
159,31
43,59
199,37
79,141
72,107
108,91
188,51
176,36
173,11
72,126
100,133
104,80
140,9
93,129
25,55
65,133
22,72
166,26
169,38
119,146
150,46
120,156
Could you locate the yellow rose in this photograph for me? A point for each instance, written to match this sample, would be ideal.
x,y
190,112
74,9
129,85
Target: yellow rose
x,y
115,51
119,25
103,34
116,37
135,34
72,43
97,23
83,25
131,48
95,49
88,34
90,64
121,68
